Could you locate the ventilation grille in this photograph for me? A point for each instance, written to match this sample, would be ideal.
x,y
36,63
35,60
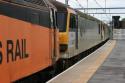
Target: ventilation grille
x,y
38,2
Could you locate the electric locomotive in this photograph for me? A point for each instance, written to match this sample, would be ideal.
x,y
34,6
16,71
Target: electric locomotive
x,y
78,32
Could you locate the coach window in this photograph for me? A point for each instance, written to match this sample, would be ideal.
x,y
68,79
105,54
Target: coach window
x,y
73,22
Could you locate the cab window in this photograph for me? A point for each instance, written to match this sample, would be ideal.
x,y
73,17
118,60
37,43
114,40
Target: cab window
x,y
61,21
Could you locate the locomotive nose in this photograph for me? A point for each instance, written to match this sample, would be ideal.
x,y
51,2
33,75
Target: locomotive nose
x,y
63,38
63,41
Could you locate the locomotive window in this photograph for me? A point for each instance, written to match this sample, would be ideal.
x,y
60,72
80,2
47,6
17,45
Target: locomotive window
x,y
72,22
61,21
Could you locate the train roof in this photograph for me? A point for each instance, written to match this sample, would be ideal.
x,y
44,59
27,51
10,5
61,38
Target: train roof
x,y
89,17
62,7
86,16
33,3
59,6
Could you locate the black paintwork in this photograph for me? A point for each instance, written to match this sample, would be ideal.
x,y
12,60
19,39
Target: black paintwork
x,y
36,15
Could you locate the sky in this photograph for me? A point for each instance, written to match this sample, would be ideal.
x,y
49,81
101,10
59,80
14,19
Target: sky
x,y
101,3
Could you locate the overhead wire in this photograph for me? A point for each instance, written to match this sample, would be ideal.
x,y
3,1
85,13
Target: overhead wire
x,y
104,10
80,5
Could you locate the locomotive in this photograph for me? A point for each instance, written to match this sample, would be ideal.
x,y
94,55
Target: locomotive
x,y
28,38
78,32
36,35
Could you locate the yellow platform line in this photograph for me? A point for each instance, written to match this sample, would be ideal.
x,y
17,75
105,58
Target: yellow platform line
x,y
94,65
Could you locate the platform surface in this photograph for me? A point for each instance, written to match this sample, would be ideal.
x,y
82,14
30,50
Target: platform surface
x,y
118,34
82,71
113,69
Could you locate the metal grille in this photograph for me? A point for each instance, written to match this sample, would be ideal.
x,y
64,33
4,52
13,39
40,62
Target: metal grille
x,y
38,2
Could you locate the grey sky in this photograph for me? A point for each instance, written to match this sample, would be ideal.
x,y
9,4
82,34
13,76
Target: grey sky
x,y
92,3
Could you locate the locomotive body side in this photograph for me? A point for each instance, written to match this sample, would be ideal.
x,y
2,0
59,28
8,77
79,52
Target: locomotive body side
x,y
26,40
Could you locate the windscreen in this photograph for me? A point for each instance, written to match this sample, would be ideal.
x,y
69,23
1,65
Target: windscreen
x,y
61,21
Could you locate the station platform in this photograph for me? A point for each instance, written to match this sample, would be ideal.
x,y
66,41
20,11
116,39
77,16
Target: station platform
x,y
92,69
113,69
